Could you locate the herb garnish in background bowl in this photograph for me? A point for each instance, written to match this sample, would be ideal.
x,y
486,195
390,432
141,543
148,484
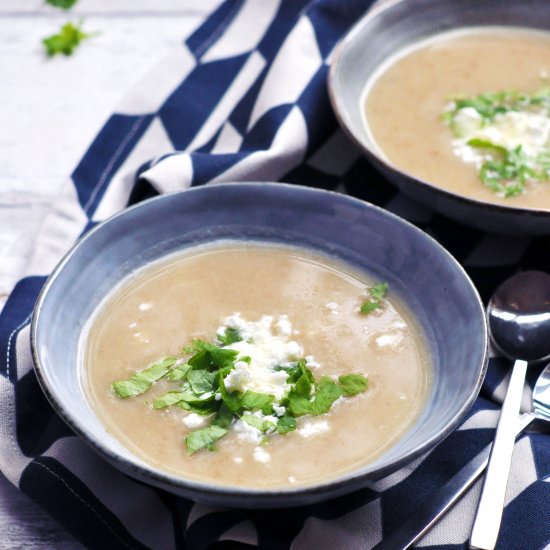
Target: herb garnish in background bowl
x,y
506,135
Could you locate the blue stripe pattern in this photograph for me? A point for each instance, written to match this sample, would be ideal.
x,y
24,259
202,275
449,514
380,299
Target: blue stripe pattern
x,y
283,142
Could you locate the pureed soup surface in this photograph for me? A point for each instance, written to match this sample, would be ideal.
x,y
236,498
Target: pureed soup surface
x,y
404,102
312,305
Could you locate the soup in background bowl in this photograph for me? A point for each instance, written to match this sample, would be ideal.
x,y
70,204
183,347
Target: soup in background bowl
x,y
450,101
156,260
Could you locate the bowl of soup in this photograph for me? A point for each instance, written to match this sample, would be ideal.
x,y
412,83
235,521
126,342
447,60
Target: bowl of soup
x,y
259,344
451,102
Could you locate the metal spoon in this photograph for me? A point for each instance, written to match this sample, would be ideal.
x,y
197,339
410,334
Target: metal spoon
x,y
430,512
519,322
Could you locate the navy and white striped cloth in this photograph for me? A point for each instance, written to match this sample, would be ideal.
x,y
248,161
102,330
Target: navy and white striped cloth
x,y
245,98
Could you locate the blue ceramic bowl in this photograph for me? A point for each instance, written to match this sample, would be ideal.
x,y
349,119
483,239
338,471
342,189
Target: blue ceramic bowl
x,y
368,238
389,27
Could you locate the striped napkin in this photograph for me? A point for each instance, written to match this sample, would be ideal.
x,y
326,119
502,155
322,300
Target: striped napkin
x,y
245,98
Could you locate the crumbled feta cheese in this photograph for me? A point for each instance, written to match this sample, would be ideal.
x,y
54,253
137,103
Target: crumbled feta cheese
x,y
390,340
509,129
313,428
311,363
334,308
279,410
283,325
193,420
217,396
246,432
266,349
261,455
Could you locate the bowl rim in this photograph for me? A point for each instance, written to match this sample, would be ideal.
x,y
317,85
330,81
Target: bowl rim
x,y
291,495
380,7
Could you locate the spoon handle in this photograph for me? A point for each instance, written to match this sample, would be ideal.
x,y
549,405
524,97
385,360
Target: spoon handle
x,y
437,505
489,511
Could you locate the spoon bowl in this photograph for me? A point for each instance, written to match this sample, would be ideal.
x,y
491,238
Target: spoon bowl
x,y
519,322
519,316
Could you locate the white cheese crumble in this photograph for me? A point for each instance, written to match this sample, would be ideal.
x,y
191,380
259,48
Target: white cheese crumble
x,y
311,363
334,308
145,306
266,350
390,340
261,455
313,428
246,432
193,420
509,129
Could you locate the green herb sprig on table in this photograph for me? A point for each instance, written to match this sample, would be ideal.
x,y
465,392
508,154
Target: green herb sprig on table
x,y
199,387
62,4
66,40
506,171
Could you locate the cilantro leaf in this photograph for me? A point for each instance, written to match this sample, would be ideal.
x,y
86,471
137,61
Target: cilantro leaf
x,y
253,401
298,405
378,291
286,424
377,294
231,399
170,398
66,40
201,381
179,372
213,358
223,417
141,381
352,384
253,420
369,306
327,393
206,437
62,4
230,336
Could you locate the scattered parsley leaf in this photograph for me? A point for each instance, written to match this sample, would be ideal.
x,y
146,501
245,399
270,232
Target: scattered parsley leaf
x,y
66,40
254,401
253,420
230,336
369,306
141,381
328,391
62,4
352,384
170,398
378,291
377,294
223,417
286,424
179,372
202,381
203,438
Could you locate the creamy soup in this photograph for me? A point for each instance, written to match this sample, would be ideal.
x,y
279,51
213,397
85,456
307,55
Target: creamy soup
x,y
277,310
424,111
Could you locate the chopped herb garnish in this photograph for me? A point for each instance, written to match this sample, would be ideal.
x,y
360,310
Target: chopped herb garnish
x,y
352,384
206,437
481,125
198,386
142,380
66,40
230,336
377,293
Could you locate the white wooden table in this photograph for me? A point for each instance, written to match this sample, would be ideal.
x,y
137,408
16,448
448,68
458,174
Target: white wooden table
x,y
50,110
